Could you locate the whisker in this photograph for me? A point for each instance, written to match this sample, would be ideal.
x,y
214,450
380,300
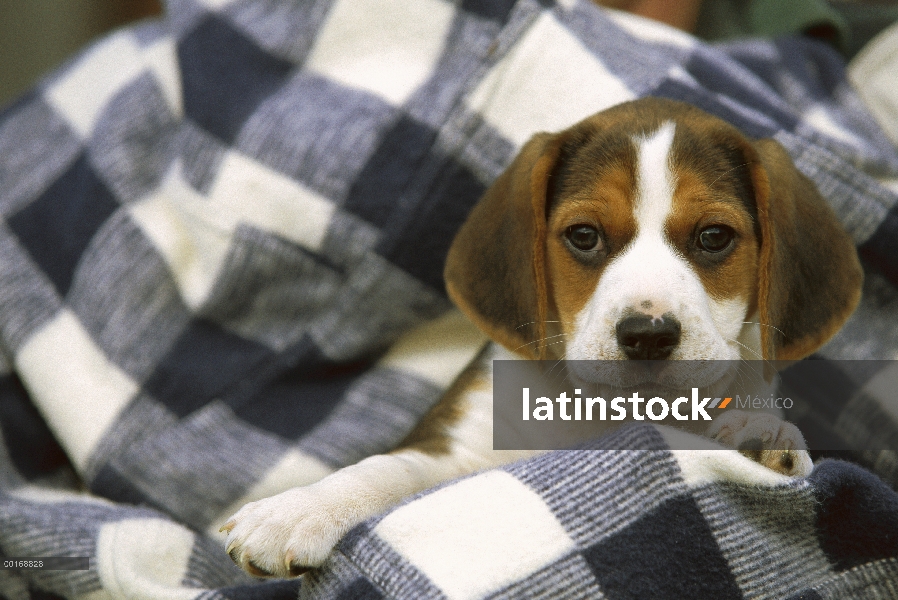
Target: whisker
x,y
542,340
728,170
534,322
753,351
760,356
764,325
743,377
560,361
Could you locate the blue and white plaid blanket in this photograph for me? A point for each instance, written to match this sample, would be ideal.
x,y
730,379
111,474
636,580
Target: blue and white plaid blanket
x,y
221,244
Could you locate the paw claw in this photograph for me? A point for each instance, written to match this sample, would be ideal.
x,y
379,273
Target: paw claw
x,y
297,570
293,568
227,527
288,534
256,571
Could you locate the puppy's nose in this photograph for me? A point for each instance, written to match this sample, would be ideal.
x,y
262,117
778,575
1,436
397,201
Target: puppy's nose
x,y
642,337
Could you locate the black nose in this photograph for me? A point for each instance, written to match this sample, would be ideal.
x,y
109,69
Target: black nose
x,y
642,337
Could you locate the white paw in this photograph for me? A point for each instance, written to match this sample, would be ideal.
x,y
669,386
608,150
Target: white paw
x,y
288,534
765,438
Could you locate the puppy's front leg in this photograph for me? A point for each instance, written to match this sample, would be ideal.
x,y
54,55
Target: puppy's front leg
x,y
287,534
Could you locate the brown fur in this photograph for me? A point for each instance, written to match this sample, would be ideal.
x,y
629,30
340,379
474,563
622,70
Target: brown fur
x,y
606,204
714,188
495,270
431,435
509,256
810,278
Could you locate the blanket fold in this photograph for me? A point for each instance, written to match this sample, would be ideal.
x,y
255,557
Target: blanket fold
x,y
222,236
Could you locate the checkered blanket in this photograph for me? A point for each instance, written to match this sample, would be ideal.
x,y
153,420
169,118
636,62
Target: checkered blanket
x,y
222,240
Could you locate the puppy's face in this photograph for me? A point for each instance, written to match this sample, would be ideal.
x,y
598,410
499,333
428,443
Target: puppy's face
x,y
652,245
653,230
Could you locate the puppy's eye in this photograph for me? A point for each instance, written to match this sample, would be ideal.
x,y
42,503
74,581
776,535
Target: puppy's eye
x,y
715,238
584,237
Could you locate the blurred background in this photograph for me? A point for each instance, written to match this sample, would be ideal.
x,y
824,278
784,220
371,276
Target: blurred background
x,y
37,35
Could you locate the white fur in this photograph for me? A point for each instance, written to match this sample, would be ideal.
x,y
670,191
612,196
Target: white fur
x,y
301,526
651,270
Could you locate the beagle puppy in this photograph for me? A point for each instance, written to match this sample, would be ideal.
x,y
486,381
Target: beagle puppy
x,y
651,230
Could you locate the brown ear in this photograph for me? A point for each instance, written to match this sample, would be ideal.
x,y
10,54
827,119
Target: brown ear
x,y
810,276
495,270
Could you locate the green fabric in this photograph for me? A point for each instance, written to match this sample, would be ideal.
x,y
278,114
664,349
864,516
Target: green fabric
x,y
721,20
770,18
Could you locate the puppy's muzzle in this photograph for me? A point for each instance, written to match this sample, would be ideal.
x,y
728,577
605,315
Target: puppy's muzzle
x,y
642,337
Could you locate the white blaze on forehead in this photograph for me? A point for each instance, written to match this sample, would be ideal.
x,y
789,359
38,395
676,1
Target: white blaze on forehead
x,y
654,180
649,266
651,276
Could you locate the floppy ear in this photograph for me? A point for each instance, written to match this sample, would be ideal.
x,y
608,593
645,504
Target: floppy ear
x,y
810,276
495,270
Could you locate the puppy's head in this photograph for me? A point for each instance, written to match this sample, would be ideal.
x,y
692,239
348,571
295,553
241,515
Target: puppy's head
x,y
653,230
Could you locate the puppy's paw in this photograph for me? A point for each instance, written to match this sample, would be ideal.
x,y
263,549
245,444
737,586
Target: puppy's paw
x,y
286,535
766,439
